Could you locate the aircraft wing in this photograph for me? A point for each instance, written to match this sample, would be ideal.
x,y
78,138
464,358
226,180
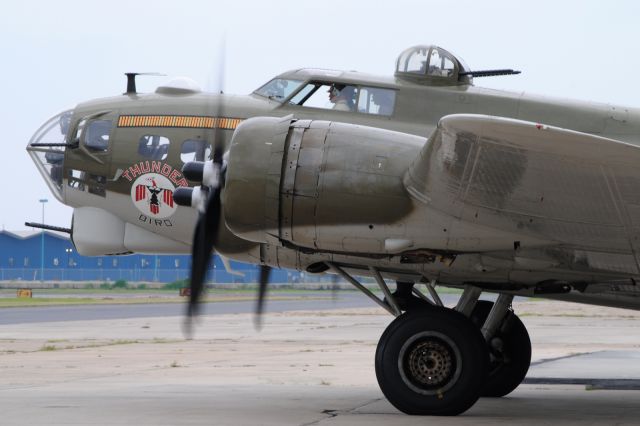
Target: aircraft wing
x,y
528,179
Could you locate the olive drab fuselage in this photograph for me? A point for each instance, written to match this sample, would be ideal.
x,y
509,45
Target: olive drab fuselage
x,y
307,182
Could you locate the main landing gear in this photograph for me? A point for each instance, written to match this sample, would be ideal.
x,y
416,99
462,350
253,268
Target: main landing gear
x,y
509,351
433,360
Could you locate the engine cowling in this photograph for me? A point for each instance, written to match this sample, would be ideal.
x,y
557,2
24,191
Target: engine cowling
x,y
317,184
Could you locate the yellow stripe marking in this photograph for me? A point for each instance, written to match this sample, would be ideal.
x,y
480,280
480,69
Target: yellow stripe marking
x,y
182,121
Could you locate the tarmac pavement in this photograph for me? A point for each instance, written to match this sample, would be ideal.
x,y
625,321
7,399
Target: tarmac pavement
x,y
304,368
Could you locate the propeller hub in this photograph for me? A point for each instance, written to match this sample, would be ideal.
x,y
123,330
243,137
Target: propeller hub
x,y
211,174
208,173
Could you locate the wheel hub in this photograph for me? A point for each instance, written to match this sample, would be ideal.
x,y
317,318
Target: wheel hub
x,y
430,363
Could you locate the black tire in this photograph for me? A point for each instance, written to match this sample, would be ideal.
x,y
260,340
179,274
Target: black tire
x,y
432,362
509,364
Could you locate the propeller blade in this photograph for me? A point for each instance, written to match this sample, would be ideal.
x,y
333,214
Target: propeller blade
x,y
265,271
196,278
204,239
218,143
212,178
198,267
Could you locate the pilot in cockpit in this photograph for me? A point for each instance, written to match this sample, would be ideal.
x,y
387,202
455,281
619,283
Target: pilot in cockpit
x,y
341,97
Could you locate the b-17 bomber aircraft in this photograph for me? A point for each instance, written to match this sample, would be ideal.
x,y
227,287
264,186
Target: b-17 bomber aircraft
x,y
422,179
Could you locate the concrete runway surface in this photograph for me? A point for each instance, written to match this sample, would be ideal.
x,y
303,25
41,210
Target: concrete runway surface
x,y
304,368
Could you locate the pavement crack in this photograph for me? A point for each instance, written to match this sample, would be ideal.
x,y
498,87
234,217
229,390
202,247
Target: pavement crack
x,y
352,410
329,413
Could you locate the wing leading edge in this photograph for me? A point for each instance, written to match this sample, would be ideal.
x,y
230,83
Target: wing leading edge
x,y
544,182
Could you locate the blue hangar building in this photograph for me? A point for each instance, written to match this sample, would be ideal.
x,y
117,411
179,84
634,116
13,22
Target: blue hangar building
x,y
22,254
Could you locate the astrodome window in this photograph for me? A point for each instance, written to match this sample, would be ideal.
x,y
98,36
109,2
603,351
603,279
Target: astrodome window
x,y
278,89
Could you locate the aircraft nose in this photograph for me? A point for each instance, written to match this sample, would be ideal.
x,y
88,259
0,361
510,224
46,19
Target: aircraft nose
x,y
46,148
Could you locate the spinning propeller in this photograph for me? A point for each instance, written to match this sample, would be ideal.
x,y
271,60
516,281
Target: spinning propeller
x,y
206,198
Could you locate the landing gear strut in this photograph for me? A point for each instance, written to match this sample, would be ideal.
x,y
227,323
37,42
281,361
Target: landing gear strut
x,y
509,348
433,360
405,298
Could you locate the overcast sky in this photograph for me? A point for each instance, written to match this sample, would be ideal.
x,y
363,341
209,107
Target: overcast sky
x,y
57,54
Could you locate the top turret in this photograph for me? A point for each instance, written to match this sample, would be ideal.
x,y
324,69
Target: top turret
x,y
432,65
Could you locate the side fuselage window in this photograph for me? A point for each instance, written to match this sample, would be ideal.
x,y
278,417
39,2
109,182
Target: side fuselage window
x,y
96,136
154,147
195,150
76,179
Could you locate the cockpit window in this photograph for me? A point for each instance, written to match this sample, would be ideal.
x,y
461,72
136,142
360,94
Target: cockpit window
x,y
373,100
325,95
96,136
278,89
346,97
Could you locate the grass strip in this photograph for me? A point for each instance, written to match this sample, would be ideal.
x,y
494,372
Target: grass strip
x,y
15,302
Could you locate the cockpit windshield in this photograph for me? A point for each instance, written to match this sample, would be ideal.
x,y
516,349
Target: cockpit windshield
x,y
278,89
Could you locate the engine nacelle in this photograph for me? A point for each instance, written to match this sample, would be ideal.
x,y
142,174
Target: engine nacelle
x,y
317,184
